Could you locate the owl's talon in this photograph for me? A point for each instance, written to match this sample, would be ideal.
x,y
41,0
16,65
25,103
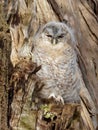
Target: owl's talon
x,y
52,96
60,99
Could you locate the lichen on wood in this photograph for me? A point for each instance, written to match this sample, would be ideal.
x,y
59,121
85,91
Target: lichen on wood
x,y
59,117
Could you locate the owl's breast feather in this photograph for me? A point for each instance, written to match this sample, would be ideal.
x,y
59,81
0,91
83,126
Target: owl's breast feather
x,y
58,71
55,65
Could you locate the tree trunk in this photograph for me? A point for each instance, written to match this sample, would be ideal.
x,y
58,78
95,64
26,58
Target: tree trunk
x,y
24,18
5,50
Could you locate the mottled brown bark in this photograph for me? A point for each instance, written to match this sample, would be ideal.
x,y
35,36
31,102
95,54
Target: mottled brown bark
x,y
5,49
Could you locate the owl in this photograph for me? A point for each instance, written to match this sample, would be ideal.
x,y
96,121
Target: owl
x,y
53,51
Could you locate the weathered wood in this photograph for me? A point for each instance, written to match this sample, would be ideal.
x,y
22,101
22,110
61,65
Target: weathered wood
x,y
89,47
20,95
24,18
69,116
58,117
94,5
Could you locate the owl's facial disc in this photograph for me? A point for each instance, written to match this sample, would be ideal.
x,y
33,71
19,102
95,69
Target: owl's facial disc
x,y
54,34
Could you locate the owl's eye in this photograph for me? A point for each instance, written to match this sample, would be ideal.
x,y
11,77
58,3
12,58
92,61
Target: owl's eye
x,y
61,36
49,36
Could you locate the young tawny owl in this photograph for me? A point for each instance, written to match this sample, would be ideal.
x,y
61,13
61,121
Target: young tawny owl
x,y
54,49
59,71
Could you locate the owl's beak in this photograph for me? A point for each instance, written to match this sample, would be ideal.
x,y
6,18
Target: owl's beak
x,y
54,41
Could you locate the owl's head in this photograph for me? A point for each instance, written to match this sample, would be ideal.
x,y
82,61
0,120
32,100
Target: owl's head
x,y
56,33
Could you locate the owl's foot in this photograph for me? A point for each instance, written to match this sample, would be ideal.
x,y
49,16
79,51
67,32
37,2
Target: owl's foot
x,y
52,96
58,99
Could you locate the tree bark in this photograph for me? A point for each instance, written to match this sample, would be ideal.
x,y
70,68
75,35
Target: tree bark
x,y
24,18
5,50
